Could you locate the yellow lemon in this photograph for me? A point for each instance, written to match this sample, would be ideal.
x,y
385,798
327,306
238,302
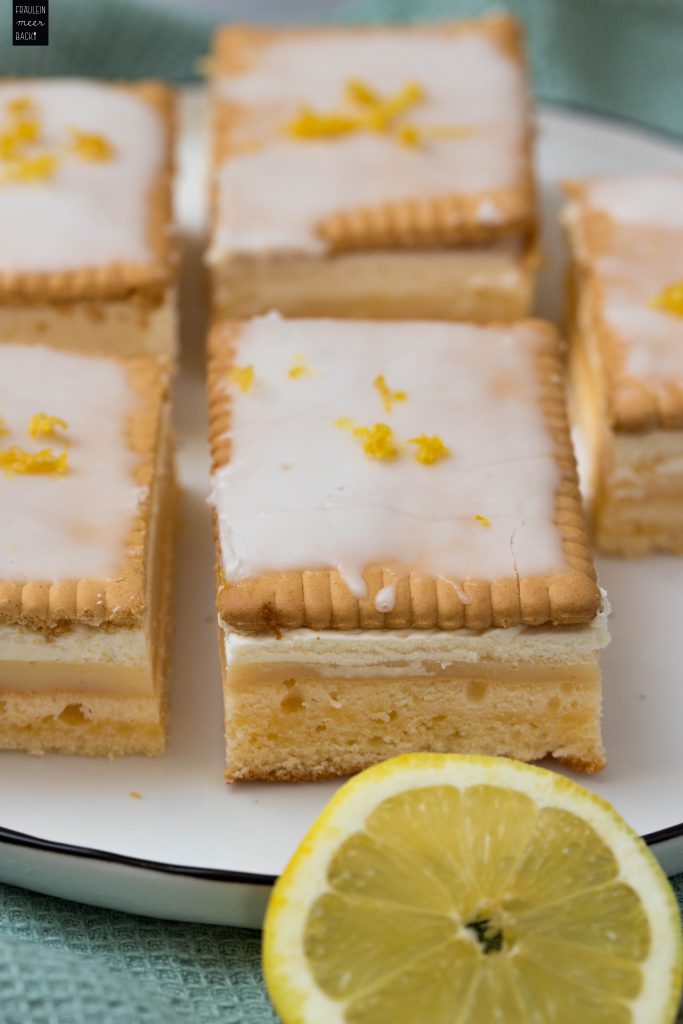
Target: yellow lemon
x,y
445,889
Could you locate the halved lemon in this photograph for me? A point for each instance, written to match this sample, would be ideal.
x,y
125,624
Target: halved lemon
x,y
440,889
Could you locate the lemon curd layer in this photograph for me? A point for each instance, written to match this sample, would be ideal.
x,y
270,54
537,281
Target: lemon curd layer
x,y
83,659
450,283
399,653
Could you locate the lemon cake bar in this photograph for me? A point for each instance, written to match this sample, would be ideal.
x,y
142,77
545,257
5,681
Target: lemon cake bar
x,y
626,239
86,248
86,500
373,172
402,558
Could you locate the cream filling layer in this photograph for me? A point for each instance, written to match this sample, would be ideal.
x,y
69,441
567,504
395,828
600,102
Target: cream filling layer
x,y
647,464
118,327
363,653
417,283
84,659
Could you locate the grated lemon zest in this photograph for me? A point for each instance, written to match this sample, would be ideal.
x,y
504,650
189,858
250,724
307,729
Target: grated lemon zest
x,y
376,114
9,145
483,520
299,368
360,92
42,425
20,107
378,441
24,128
411,94
429,449
311,124
31,168
91,146
18,460
19,135
12,140
243,377
408,135
670,300
389,397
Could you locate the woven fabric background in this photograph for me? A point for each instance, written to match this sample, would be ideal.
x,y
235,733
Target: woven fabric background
x,y
63,963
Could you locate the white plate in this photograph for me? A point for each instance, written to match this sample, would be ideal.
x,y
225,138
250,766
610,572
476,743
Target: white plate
x,y
195,849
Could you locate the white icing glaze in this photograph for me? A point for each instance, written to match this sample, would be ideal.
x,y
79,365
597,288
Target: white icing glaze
x,y
652,199
299,492
653,338
55,528
89,213
645,255
272,197
385,599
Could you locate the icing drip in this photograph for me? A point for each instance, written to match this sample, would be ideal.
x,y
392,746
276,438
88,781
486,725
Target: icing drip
x,y
466,134
73,524
92,208
299,494
385,599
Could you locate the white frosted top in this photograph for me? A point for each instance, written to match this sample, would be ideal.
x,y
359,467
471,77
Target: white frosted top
x,y
89,213
272,196
655,200
300,493
644,256
55,528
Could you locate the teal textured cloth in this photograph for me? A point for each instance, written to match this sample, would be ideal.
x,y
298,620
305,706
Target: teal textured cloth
x,y
63,963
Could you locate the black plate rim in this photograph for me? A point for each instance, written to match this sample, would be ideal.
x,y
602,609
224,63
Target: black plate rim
x,y
10,837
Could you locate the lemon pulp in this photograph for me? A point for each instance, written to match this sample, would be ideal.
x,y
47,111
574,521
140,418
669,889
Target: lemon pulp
x,y
477,899
415,901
